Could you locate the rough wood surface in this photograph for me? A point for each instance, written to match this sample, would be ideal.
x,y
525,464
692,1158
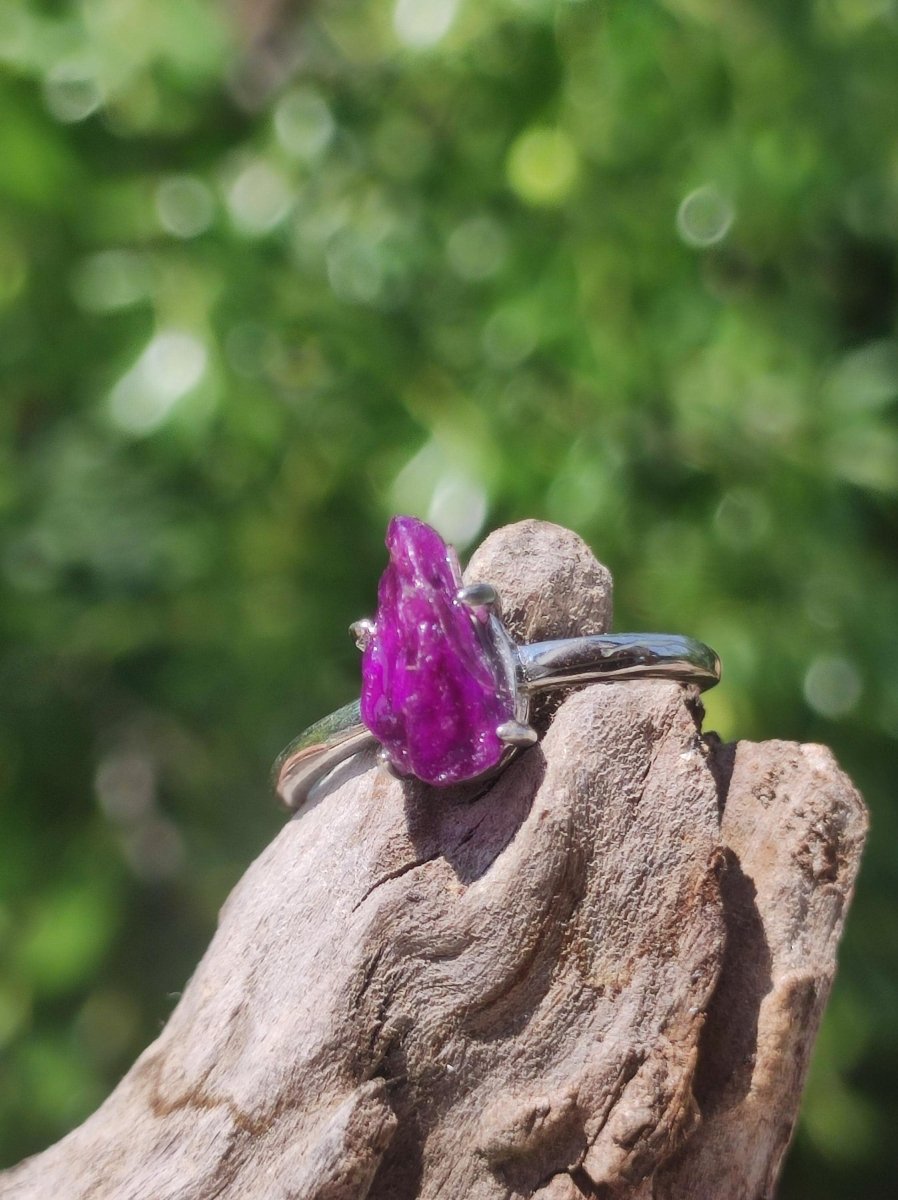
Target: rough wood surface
x,y
600,976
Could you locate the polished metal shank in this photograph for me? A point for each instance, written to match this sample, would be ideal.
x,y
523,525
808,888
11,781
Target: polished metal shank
x,y
317,751
569,661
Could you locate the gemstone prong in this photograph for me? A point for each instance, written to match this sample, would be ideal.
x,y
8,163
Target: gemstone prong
x,y
478,595
516,733
386,764
362,632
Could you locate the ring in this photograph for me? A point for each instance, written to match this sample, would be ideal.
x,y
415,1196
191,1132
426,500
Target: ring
x,y
445,689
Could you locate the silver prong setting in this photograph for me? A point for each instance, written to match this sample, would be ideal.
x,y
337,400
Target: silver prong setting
x,y
362,632
516,733
386,765
478,595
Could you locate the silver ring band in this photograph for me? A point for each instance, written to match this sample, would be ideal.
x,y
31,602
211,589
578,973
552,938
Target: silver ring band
x,y
565,662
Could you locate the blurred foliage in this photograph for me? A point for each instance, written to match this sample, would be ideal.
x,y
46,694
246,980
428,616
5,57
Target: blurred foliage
x,y
269,273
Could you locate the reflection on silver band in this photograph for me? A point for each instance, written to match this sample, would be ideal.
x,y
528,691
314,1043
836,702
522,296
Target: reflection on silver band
x,y
616,655
566,662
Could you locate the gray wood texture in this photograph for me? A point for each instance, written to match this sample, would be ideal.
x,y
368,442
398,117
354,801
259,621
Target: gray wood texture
x,y
599,976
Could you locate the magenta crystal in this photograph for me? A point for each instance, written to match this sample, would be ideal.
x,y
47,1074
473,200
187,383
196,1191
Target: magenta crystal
x,y
434,688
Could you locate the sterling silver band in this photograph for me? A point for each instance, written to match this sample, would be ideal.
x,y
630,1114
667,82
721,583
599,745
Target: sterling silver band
x,y
538,666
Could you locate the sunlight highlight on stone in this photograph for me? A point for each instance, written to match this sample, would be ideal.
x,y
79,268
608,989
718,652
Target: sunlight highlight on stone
x,y
172,365
422,23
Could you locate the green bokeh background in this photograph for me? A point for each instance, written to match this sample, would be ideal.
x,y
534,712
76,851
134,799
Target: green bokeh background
x,y
271,272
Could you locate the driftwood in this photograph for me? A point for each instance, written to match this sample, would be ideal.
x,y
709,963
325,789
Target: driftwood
x,y
600,976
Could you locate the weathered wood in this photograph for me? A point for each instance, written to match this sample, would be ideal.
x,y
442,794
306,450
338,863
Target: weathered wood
x,y
580,981
793,827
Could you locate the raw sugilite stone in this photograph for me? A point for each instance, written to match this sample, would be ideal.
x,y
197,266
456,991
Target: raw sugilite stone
x,y
433,685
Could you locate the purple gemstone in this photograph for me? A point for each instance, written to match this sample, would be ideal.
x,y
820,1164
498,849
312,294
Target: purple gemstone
x,y
434,688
